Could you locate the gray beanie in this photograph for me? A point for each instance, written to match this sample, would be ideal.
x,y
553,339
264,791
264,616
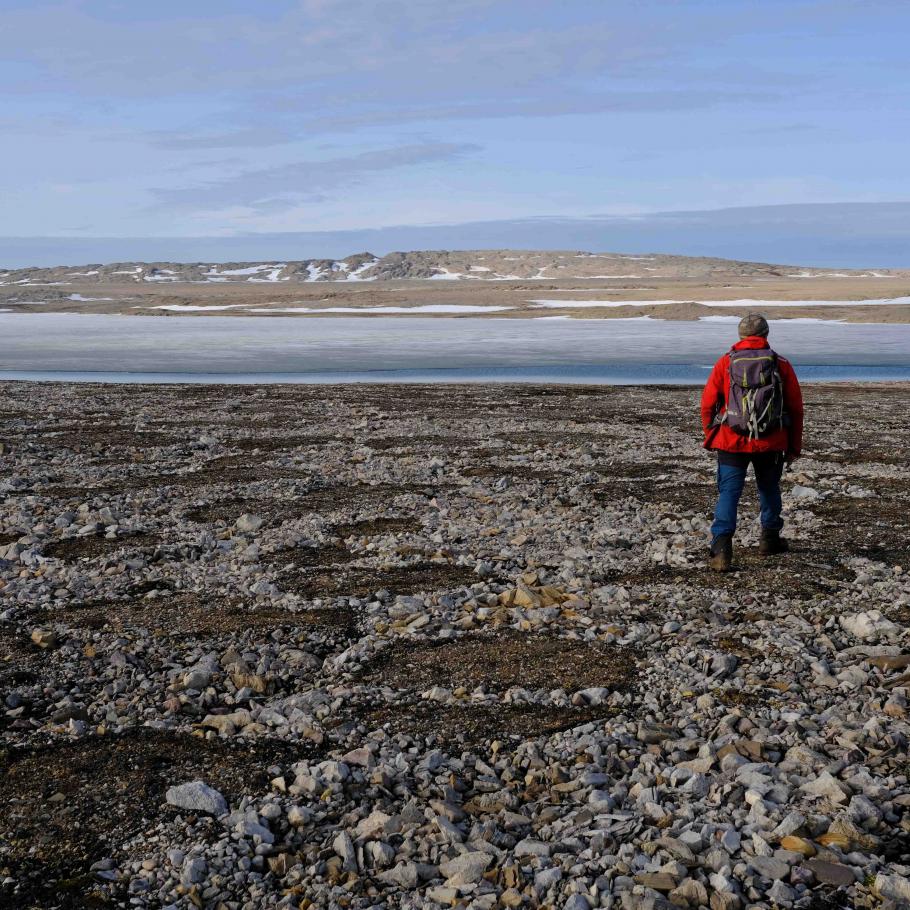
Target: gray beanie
x,y
753,324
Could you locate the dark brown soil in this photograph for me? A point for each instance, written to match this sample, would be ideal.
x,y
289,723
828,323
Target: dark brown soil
x,y
513,472
95,546
805,572
20,659
96,439
220,473
226,511
283,443
375,527
288,564
362,497
498,662
387,443
363,581
877,527
110,788
200,615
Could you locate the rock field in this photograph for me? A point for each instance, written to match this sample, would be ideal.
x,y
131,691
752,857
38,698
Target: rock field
x,y
455,646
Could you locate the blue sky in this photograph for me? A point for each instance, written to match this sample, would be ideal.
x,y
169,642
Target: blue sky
x,y
221,118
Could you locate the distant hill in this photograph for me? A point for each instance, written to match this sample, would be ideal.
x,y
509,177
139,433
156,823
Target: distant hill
x,y
433,265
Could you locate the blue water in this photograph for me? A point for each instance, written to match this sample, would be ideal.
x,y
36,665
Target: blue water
x,y
572,374
110,348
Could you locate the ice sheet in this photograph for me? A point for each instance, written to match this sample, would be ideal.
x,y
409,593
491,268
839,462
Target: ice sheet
x,y
240,343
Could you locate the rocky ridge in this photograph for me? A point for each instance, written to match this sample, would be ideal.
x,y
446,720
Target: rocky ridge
x,y
480,265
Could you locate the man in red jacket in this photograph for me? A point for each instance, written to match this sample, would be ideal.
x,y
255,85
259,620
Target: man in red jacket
x,y
766,440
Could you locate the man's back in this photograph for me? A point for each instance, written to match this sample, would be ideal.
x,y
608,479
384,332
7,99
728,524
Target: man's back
x,y
716,395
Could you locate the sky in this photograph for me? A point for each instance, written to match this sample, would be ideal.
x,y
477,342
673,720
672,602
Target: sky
x,y
222,118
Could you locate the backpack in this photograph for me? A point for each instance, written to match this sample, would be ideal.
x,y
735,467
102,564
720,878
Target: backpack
x,y
756,402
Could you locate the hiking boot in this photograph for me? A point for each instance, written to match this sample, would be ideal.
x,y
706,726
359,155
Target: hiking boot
x,y
721,558
771,543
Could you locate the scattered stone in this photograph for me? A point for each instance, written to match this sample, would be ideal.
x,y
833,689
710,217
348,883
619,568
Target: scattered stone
x,y
604,723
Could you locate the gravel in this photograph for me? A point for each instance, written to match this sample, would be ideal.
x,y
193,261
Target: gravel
x,y
432,647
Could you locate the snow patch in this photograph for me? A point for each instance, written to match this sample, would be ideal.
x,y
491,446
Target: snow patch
x,y
356,274
247,270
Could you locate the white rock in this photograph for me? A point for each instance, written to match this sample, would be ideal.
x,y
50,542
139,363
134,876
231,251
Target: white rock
x,y
196,796
465,869
868,624
893,887
826,786
374,825
247,523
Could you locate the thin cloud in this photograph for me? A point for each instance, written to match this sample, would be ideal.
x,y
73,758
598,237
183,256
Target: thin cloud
x,y
563,105
579,103
189,139
276,188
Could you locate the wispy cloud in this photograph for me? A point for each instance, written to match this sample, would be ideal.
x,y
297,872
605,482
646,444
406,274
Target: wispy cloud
x,y
250,137
276,188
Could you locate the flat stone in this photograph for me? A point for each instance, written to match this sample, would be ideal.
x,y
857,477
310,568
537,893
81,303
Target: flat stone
x,y
197,796
465,869
831,873
769,867
657,881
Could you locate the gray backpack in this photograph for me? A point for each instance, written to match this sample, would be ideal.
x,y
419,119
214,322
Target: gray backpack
x,y
756,404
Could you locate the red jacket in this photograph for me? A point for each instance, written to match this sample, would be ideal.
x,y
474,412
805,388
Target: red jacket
x,y
787,439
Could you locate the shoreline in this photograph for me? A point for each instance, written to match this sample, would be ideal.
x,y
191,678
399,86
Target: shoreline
x,y
895,377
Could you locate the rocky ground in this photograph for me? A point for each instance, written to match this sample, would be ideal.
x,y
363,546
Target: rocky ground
x,y
420,647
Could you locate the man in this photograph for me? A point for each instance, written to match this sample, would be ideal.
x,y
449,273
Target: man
x,y
752,413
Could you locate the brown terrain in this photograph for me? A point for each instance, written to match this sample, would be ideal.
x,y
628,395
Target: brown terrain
x,y
511,280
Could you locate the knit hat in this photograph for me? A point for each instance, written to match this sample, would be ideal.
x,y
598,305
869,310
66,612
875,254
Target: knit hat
x,y
753,324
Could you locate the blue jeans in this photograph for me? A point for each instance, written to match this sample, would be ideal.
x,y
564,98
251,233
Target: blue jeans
x,y
731,478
